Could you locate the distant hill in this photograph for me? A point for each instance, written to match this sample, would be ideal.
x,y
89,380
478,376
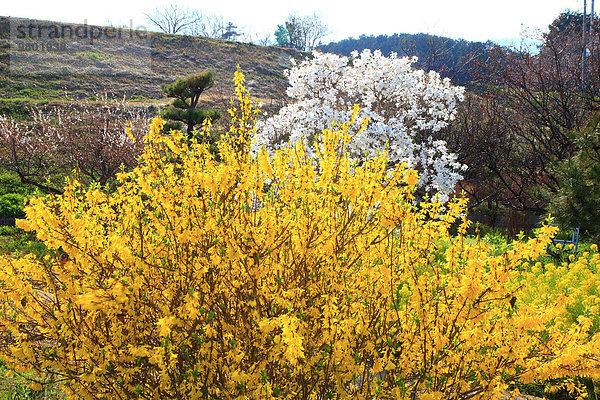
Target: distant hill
x,y
455,59
48,59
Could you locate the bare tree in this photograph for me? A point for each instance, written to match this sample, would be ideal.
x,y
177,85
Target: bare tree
x,y
521,121
266,40
211,26
305,32
246,35
173,18
314,30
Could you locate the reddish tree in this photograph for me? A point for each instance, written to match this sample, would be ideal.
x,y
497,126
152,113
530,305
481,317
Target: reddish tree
x,y
520,122
88,138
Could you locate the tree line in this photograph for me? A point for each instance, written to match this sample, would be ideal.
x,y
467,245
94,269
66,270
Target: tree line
x,y
302,32
450,57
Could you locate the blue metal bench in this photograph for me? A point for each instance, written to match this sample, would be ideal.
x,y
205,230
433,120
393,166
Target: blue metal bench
x,y
565,243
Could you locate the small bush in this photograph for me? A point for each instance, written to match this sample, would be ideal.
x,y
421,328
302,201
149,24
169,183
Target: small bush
x,y
11,205
8,230
10,183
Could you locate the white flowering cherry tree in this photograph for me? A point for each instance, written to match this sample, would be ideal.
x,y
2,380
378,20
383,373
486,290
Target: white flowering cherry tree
x,y
404,106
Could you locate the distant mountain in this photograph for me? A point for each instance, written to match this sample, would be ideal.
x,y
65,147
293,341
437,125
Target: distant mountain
x,y
456,59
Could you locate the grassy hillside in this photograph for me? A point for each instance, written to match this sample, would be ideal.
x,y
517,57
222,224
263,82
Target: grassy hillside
x,y
136,72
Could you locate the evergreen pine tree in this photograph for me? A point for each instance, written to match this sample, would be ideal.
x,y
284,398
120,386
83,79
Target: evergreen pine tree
x,y
186,92
577,202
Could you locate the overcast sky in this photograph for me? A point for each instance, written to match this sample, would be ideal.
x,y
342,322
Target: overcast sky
x,y
478,20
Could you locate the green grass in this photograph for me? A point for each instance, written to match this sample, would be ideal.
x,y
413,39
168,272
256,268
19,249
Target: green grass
x,y
16,241
16,387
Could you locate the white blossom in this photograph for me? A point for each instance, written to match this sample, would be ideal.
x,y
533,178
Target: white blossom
x,y
401,102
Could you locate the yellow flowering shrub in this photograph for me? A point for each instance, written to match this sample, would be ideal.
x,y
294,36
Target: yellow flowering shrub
x,y
575,285
275,277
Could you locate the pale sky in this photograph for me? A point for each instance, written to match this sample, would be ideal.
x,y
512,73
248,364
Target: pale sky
x,y
477,20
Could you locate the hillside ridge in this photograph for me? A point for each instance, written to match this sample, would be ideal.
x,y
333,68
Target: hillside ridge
x,y
43,68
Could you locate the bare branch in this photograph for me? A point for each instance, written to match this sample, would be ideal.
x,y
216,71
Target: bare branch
x,y
172,18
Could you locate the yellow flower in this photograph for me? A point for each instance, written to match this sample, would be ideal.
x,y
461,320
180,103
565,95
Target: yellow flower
x,y
164,325
411,178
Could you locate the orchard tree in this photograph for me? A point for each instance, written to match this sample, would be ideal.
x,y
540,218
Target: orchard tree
x,y
94,139
186,92
404,107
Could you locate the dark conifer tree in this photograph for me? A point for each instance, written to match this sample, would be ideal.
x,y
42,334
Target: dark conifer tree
x,y
186,92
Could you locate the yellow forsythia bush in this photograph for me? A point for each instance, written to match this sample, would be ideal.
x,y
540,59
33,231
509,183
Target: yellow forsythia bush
x,y
280,277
